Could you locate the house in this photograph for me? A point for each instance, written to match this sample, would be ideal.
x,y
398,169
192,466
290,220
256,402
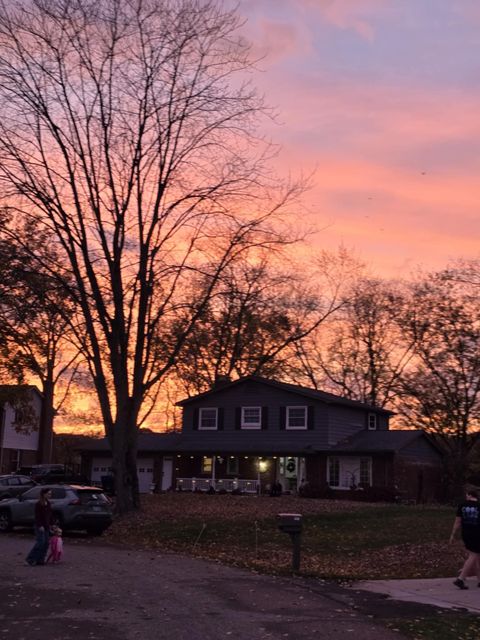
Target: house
x,y
21,441
248,434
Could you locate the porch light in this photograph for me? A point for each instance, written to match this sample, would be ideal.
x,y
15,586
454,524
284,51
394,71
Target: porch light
x,y
263,465
246,457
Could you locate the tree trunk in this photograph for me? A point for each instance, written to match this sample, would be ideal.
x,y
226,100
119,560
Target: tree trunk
x,y
124,464
45,431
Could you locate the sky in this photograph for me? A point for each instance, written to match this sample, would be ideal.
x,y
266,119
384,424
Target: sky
x,y
381,100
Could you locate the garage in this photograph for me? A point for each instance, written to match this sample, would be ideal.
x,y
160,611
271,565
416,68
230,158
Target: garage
x,y
102,467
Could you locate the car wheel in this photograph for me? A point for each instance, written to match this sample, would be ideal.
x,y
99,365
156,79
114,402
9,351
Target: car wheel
x,y
5,521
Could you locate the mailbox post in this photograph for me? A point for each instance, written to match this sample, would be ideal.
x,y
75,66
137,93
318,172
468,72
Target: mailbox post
x,y
291,523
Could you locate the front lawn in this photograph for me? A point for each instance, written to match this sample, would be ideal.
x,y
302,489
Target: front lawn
x,y
341,540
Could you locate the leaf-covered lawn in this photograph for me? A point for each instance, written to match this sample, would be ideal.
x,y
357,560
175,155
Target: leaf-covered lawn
x,y
341,540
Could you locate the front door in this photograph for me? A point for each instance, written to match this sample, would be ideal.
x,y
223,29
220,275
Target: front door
x,y
167,473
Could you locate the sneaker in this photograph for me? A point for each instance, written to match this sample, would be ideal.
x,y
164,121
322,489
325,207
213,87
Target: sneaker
x,y
460,583
30,563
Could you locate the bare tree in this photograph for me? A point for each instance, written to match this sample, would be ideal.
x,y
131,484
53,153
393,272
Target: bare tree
x,y
361,352
441,392
250,326
128,130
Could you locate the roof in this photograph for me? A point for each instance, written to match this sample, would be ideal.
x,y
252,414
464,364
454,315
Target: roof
x,y
315,394
219,442
8,391
380,441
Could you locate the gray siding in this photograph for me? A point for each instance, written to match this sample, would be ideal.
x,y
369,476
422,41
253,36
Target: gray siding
x,y
344,422
329,424
255,394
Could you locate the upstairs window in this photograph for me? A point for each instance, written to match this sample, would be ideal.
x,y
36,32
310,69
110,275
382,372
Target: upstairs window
x,y
296,418
251,418
208,418
372,421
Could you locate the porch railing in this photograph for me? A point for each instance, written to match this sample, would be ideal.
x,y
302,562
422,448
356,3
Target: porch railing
x,y
227,484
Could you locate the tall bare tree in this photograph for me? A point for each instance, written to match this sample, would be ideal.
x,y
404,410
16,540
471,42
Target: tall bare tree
x,y
127,129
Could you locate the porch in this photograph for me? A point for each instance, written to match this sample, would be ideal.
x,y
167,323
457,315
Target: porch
x,y
218,484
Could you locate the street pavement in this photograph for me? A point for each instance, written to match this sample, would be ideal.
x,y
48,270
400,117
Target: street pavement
x,y
100,592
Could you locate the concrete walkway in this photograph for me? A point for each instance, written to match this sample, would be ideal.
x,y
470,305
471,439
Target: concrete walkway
x,y
439,592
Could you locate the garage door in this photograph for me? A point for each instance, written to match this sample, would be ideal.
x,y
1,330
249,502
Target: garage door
x,y
103,466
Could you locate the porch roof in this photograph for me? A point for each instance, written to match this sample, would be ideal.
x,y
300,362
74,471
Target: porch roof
x,y
217,442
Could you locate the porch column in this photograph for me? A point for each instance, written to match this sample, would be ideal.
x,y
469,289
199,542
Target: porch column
x,y
214,459
259,480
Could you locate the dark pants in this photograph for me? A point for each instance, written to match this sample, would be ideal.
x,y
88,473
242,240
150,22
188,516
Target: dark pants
x,y
40,548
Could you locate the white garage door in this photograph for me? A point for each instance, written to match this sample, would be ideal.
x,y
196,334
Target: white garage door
x,y
102,467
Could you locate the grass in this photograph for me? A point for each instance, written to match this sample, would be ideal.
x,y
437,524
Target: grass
x,y
341,540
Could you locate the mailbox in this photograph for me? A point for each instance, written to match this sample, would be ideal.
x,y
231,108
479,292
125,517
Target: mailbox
x,y
290,522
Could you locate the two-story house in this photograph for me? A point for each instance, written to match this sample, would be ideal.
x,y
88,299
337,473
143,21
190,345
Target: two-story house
x,y
248,434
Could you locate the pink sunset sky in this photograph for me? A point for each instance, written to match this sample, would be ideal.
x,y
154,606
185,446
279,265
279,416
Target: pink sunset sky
x,y
381,98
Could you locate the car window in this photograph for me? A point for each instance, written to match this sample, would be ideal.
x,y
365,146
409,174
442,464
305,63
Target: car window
x,y
3,482
58,493
32,494
90,495
24,480
13,482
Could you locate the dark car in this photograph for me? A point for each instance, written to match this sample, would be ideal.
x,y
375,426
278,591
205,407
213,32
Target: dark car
x,y
73,506
56,473
13,485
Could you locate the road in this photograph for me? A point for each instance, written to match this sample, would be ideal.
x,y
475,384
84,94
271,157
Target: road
x,y
100,592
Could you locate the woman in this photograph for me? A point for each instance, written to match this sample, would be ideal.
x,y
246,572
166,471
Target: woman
x,y
468,520
43,517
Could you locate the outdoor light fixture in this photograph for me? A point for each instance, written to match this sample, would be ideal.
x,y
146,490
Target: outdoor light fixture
x,y
263,465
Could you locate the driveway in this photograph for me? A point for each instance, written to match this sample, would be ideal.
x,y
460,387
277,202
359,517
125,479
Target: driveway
x,y
100,592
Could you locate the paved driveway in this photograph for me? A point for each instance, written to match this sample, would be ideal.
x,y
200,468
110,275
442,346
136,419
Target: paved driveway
x,y
100,593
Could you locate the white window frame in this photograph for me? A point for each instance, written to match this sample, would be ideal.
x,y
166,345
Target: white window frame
x,y
345,464
202,428
372,421
251,425
287,418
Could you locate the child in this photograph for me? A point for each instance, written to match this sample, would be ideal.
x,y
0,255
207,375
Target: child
x,y
56,545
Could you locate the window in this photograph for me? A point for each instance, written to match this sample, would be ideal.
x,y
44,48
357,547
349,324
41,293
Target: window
x,y
251,418
207,465
208,418
348,472
296,418
232,466
365,472
333,472
372,421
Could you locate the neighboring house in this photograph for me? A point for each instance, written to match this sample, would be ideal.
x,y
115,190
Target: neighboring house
x,y
248,434
21,443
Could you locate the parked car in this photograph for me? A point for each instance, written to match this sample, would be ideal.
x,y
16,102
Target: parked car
x,y
13,485
56,473
74,507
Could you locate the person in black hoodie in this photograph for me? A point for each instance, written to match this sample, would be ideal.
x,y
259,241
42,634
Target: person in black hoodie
x,y
43,518
468,521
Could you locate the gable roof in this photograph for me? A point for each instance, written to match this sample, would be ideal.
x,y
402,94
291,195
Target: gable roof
x,y
315,394
381,441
